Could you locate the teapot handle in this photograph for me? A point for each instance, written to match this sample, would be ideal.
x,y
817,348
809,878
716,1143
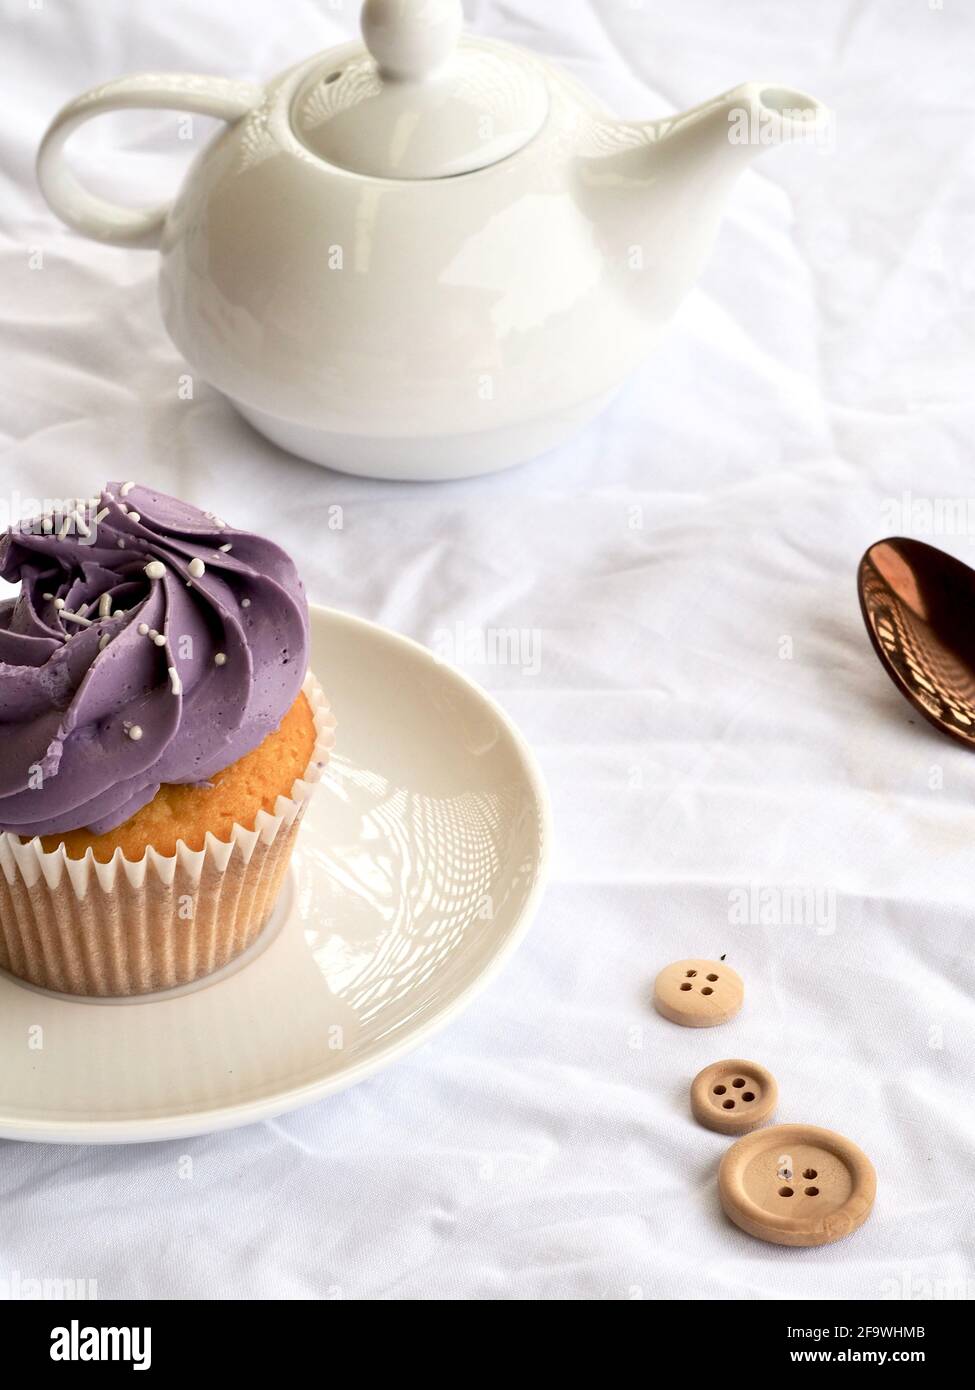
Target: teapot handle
x,y
97,217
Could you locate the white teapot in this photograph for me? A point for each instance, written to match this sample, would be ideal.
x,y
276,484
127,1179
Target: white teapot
x,y
429,256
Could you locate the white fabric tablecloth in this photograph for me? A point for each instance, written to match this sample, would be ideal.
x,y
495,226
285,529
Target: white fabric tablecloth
x,y
708,711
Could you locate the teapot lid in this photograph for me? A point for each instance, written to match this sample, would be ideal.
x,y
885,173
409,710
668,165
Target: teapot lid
x,y
420,102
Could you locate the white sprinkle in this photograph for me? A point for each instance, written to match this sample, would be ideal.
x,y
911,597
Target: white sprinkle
x,y
47,525
82,610
143,629
120,543
134,732
83,528
159,640
100,516
226,548
104,605
175,681
48,597
59,604
125,489
197,568
155,569
118,613
134,516
65,528
245,603
220,659
123,508
103,642
74,618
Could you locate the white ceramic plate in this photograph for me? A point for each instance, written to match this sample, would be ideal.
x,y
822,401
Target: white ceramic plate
x,y
418,867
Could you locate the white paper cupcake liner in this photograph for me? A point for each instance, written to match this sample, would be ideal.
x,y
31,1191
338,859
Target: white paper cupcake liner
x,y
131,927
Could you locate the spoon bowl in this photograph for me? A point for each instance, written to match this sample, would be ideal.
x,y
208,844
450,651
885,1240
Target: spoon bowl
x,y
918,604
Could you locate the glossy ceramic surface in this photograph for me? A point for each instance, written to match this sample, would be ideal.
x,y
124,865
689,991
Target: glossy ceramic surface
x,y
346,313
418,868
416,105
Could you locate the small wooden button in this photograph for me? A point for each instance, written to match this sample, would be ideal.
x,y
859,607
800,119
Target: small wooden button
x,y
796,1185
698,993
733,1096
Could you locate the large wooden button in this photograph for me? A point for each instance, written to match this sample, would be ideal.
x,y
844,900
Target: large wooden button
x,y
796,1185
698,993
733,1096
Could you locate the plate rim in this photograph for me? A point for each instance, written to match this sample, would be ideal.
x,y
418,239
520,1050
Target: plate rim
x,y
220,1119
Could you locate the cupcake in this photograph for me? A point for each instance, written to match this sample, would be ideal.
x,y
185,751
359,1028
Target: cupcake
x,y
161,735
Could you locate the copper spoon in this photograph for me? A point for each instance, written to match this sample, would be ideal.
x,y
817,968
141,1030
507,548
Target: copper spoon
x,y
919,607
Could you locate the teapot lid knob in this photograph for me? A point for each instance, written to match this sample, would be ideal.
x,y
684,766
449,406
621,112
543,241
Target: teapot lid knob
x,y
411,39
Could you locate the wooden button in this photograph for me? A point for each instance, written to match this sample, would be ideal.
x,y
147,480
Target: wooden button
x,y
698,993
734,1096
796,1185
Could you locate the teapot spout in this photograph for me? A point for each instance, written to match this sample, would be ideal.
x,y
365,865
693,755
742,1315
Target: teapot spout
x,y
655,192
721,134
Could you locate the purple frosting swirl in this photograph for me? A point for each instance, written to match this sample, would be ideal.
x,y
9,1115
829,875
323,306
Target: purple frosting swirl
x,y
172,677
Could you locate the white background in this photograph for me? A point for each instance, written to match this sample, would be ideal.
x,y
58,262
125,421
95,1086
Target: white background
x,y
542,1146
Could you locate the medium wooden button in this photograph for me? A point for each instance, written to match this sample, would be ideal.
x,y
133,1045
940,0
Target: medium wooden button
x,y
796,1185
698,993
733,1096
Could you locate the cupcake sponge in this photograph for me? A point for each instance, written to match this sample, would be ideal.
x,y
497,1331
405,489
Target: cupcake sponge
x,y
187,812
